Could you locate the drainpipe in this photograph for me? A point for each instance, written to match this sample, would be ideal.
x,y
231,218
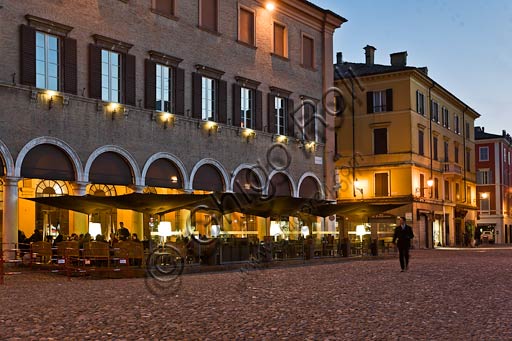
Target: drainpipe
x,y
353,138
464,151
430,135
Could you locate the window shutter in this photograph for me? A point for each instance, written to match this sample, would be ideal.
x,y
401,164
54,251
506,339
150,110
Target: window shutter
x,y
389,100
369,102
418,101
94,71
129,77
236,105
209,14
222,115
271,114
164,6
290,128
70,74
310,122
28,55
179,99
258,108
196,95
150,89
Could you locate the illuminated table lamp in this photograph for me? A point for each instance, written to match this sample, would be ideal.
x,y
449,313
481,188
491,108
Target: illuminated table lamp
x,y
304,231
94,229
215,229
275,230
164,230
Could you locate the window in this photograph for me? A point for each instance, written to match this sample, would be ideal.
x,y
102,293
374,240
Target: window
x,y
48,57
246,26
379,101
446,190
380,141
420,103
457,191
208,99
308,52
280,40
47,61
456,153
446,154
381,184
111,71
208,14
468,160
456,127
163,88
164,7
434,142
308,123
280,110
483,153
468,131
434,111
468,194
421,143
423,189
446,118
436,188
485,203
483,177
246,107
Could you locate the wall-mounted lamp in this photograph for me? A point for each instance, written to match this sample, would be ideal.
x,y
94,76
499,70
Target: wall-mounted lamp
x,y
167,119
310,146
209,126
484,195
113,109
49,95
430,182
247,133
280,139
358,186
174,179
270,6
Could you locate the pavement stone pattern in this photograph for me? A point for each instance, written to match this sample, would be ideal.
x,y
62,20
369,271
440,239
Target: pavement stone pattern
x,y
445,295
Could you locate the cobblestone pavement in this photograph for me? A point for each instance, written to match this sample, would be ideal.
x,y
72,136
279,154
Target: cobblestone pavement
x,y
446,295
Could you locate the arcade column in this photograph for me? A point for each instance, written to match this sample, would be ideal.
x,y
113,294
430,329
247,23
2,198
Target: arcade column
x,y
10,217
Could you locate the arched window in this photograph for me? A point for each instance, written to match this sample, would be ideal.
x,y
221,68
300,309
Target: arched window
x,y
101,190
51,188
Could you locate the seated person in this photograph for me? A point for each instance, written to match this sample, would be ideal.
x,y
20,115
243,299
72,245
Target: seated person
x,y
135,238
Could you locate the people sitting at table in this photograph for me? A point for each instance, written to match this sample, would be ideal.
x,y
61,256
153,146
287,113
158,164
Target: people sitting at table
x,y
135,238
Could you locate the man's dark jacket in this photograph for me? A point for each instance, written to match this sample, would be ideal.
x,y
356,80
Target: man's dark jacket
x,y
404,236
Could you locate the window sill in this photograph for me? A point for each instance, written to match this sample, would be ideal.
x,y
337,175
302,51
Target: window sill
x,y
167,15
286,59
246,44
206,29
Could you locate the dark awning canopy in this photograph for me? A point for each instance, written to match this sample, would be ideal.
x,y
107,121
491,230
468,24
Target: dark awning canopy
x,y
224,203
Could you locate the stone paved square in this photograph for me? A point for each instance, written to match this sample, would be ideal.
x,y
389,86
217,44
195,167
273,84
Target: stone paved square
x,y
446,295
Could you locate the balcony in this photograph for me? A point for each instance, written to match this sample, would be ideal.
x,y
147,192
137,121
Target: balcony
x,y
451,170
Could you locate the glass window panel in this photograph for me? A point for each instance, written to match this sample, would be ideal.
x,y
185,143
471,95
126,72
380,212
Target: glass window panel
x,y
114,96
40,81
40,67
104,94
52,57
52,83
104,81
114,83
114,58
115,72
52,70
39,39
40,53
52,43
104,56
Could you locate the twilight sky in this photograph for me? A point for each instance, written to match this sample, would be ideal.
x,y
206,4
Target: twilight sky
x,y
466,45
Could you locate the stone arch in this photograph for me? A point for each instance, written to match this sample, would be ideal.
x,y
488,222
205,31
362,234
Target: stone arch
x,y
219,167
245,166
285,175
117,150
70,152
310,176
7,160
170,157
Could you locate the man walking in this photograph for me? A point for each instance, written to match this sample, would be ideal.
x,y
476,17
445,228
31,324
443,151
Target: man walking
x,y
403,233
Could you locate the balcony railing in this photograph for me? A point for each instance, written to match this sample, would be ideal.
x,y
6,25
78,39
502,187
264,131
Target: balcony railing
x,y
452,169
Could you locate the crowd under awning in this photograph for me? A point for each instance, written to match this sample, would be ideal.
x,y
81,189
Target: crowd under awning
x,y
224,203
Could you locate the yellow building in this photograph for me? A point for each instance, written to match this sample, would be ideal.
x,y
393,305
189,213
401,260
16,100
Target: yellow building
x,y
404,139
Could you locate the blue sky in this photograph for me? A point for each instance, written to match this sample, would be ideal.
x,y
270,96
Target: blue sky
x,y
466,45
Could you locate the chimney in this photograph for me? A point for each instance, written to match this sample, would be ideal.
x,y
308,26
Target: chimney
x,y
339,58
370,54
399,58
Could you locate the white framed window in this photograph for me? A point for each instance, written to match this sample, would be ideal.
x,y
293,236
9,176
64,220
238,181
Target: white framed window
x,y
163,88
110,76
208,99
420,103
246,107
446,117
280,109
434,111
483,153
483,177
379,101
47,61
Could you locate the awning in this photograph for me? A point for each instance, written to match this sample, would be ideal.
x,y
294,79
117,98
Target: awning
x,y
353,209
